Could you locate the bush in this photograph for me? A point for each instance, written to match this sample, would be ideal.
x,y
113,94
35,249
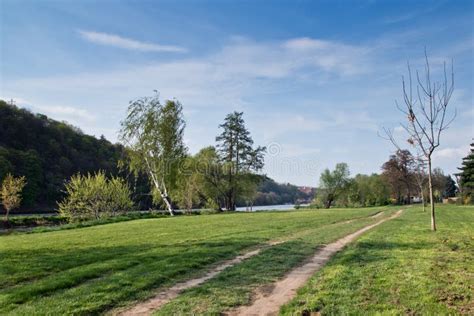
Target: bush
x,y
94,197
32,221
10,193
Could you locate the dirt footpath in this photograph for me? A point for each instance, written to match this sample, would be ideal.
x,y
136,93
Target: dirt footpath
x,y
269,299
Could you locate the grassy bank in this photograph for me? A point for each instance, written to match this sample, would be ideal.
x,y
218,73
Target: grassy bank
x,y
401,267
94,269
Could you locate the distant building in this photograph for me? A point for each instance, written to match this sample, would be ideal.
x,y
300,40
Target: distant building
x,y
451,200
306,190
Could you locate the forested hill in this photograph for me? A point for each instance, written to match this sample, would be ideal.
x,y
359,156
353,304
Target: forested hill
x,y
270,192
48,152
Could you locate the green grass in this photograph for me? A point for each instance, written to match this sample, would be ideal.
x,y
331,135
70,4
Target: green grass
x,y
41,224
400,267
235,286
94,269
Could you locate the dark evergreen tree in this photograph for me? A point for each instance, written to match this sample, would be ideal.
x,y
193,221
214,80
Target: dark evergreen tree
x,y
450,188
236,152
467,173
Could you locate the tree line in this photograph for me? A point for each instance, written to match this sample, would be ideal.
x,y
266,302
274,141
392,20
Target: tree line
x,y
403,180
47,152
51,154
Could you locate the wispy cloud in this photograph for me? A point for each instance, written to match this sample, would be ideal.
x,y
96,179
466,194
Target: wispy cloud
x,y
127,43
400,18
411,14
451,153
233,67
58,112
65,112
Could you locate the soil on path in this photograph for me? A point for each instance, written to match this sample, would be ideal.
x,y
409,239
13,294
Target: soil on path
x,y
163,297
147,307
269,299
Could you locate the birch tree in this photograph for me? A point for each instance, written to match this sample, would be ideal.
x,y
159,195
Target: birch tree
x,y
154,134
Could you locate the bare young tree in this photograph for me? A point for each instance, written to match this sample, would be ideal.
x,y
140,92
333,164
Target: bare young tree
x,y
425,108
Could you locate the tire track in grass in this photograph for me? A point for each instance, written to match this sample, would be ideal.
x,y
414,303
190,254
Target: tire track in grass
x,y
147,307
52,284
166,295
285,289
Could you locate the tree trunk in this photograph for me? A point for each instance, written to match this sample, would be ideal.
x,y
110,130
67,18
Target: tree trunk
x,y
231,200
328,203
169,206
7,212
432,205
162,190
423,201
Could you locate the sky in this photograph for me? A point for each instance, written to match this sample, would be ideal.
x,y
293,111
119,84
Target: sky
x,y
317,80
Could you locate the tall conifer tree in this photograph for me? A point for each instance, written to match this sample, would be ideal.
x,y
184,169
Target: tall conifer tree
x,y
236,152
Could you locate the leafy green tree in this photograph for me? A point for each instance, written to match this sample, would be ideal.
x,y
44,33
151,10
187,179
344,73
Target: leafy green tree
x,y
189,185
11,193
248,191
210,177
154,134
333,183
438,180
369,190
6,166
236,152
94,197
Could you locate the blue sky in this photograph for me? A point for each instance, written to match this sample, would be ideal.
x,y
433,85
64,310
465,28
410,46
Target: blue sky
x,y
316,79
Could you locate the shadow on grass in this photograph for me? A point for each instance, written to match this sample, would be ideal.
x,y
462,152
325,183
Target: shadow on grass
x,y
68,268
235,285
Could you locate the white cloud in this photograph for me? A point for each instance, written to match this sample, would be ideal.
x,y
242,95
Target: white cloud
x,y
220,79
329,55
280,124
57,112
65,112
451,152
399,129
127,43
283,123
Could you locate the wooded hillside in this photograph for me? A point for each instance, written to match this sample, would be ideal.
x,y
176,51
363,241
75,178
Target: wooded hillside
x,y
48,152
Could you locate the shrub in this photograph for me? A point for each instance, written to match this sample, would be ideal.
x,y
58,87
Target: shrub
x,y
11,193
95,197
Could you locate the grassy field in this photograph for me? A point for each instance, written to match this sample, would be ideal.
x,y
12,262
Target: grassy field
x,y
94,269
236,285
401,267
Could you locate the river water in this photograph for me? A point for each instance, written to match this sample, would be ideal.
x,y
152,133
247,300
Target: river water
x,y
281,207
